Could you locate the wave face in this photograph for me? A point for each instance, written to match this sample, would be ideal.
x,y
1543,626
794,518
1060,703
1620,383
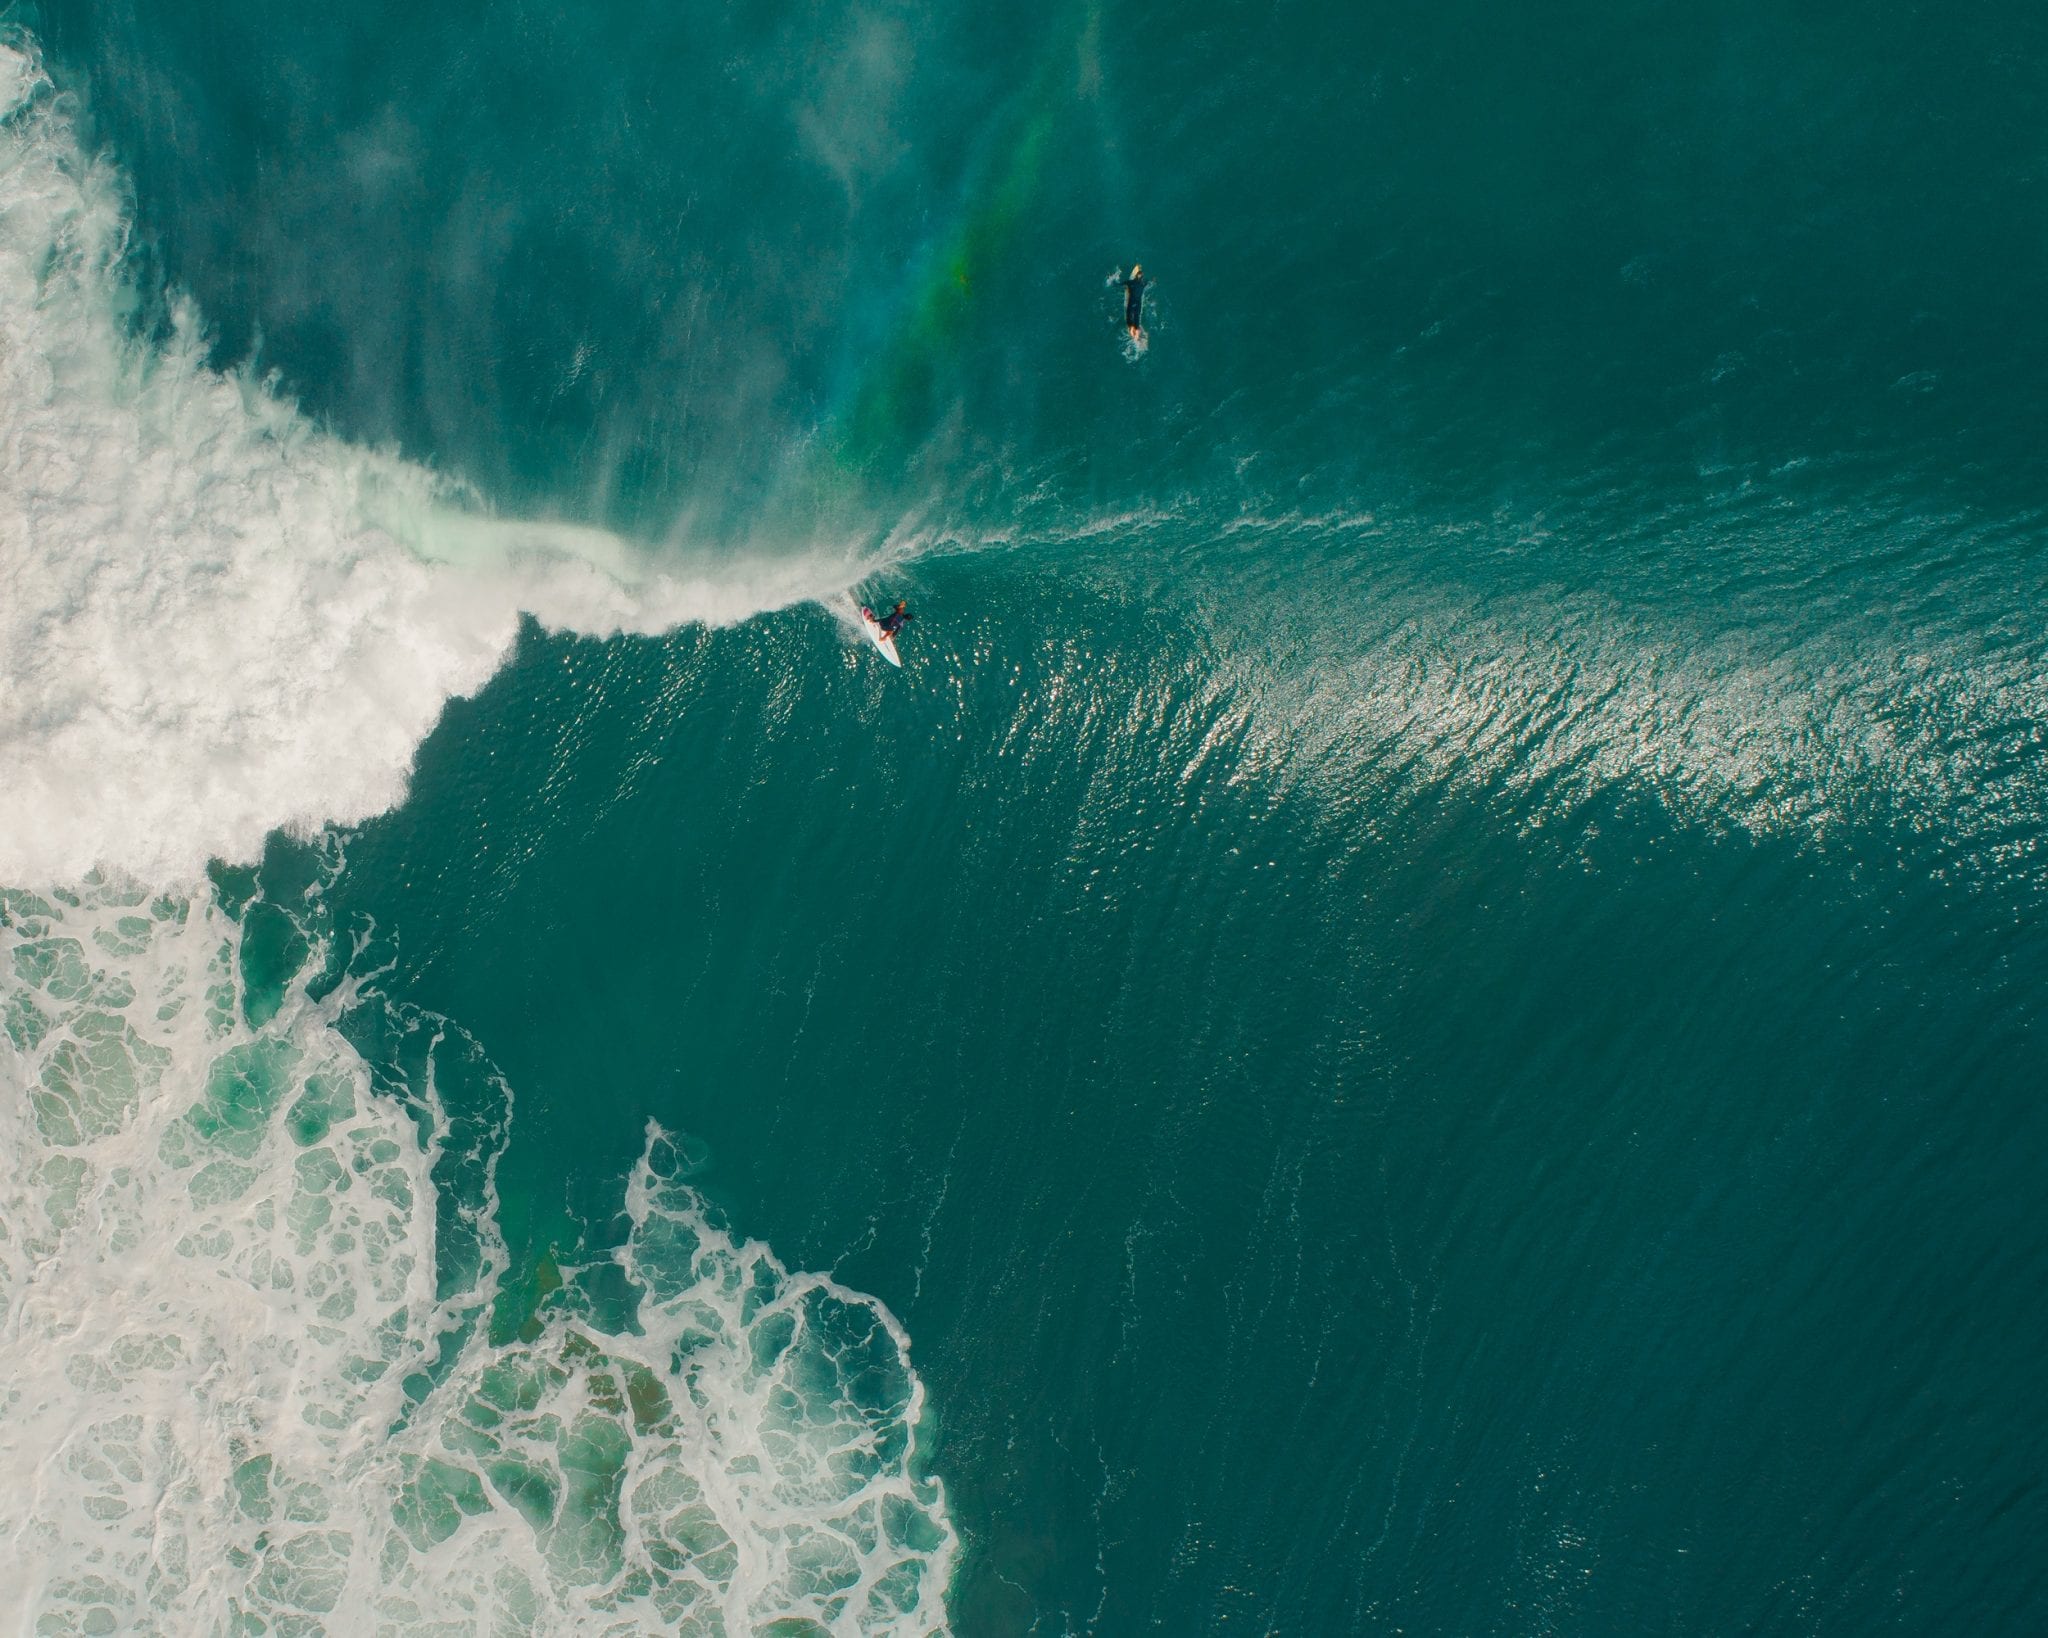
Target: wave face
x,y
1425,993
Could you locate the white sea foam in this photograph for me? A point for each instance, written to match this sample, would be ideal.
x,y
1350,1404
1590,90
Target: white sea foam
x,y
220,1402
246,1379
215,619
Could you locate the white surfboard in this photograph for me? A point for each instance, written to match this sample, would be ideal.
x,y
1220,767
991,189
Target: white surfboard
x,y
876,635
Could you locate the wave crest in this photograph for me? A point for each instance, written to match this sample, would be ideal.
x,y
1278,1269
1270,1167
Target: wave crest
x,y
218,619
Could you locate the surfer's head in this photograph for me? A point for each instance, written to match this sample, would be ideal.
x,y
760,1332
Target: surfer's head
x,y
1136,269
899,605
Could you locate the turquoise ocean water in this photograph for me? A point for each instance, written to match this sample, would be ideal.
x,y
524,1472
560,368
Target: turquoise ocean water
x,y
1421,1011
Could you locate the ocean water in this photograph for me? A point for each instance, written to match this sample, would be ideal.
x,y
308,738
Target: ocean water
x,y
1421,1011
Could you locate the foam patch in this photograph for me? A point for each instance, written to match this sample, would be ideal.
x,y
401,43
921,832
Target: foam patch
x,y
246,1382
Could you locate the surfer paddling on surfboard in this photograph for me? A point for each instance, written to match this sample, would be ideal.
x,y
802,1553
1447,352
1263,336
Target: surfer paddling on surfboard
x,y
1134,303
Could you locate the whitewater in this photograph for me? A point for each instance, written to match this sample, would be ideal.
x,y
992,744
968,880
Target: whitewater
x,y
246,1277
219,619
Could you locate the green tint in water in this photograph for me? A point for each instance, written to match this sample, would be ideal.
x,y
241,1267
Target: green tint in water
x,y
243,1088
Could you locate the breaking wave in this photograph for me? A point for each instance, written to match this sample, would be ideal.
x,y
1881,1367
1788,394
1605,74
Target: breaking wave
x,y
259,1374
220,620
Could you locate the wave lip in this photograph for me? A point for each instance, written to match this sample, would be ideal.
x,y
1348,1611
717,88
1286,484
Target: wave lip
x,y
219,620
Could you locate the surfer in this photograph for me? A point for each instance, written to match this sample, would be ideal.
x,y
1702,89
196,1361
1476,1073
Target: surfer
x,y
896,619
1134,302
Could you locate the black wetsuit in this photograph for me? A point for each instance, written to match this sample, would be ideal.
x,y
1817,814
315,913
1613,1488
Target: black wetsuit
x,y
893,622
1134,302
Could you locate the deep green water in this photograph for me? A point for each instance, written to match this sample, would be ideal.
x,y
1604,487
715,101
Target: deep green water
x,y
1426,996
